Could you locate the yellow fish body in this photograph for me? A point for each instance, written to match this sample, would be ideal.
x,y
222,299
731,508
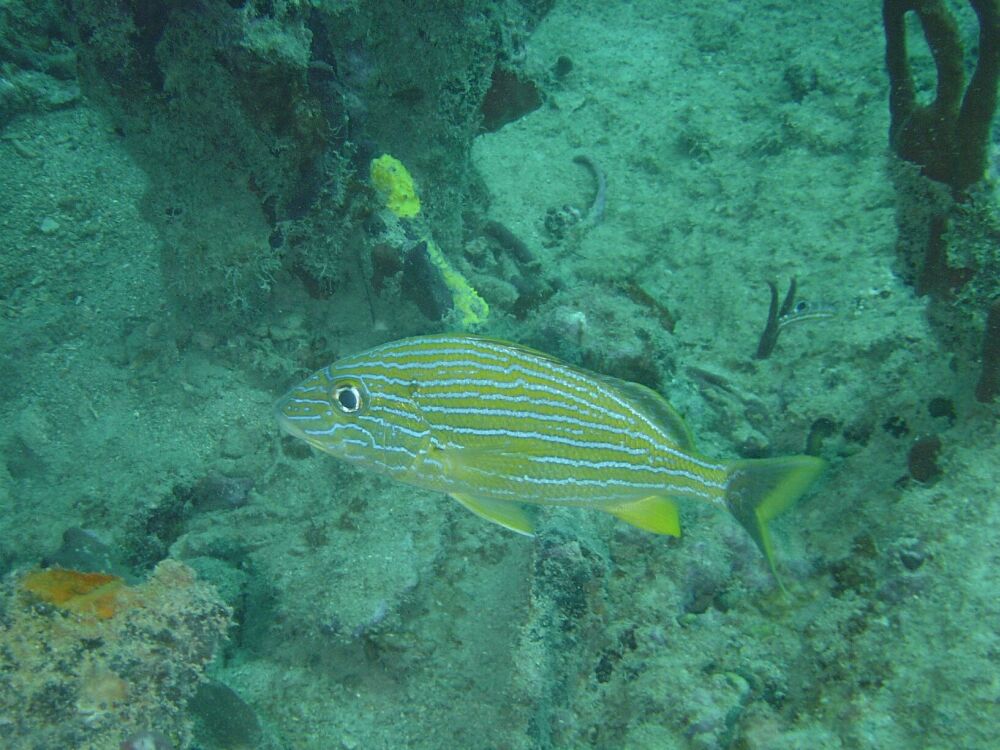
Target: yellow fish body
x,y
495,425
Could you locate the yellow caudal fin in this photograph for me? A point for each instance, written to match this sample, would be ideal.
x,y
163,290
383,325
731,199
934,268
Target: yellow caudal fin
x,y
759,490
654,513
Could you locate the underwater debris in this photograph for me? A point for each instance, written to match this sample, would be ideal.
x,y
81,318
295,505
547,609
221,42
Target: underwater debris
x,y
560,222
779,318
596,211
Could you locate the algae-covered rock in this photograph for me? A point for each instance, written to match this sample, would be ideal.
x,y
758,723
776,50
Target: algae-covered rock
x,y
255,125
86,661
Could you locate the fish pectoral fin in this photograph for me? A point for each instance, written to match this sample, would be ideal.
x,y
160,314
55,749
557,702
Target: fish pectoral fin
x,y
654,513
507,514
477,465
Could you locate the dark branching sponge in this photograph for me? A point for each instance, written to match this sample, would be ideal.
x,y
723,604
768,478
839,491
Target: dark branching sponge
x,y
949,136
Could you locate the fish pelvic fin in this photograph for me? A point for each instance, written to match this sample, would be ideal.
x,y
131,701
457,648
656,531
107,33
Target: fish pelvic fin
x,y
758,490
502,512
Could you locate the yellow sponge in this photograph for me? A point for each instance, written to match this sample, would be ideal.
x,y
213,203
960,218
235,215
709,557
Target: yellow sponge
x,y
472,309
395,184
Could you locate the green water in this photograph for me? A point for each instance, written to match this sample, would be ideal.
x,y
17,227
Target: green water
x,y
188,227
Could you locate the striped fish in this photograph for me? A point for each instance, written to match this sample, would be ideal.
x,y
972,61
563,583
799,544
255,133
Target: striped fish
x,y
495,425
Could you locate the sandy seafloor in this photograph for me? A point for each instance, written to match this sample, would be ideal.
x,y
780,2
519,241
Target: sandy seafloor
x,y
372,615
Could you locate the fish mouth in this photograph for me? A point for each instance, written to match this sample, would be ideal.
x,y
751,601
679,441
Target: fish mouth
x,y
288,414
300,413
281,417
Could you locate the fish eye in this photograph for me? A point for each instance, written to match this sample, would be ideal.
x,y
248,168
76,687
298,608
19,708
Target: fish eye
x,y
348,397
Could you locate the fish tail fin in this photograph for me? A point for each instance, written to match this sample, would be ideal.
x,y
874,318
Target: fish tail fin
x,y
758,490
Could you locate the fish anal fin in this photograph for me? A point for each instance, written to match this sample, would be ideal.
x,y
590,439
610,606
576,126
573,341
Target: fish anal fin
x,y
507,514
654,513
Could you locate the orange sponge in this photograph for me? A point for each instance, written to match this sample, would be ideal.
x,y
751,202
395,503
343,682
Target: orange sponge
x,y
97,594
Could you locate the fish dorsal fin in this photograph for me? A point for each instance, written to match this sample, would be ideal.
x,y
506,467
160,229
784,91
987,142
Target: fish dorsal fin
x,y
651,402
519,348
656,407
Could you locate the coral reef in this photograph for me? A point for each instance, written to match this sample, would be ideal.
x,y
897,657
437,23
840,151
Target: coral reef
x,y
86,662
